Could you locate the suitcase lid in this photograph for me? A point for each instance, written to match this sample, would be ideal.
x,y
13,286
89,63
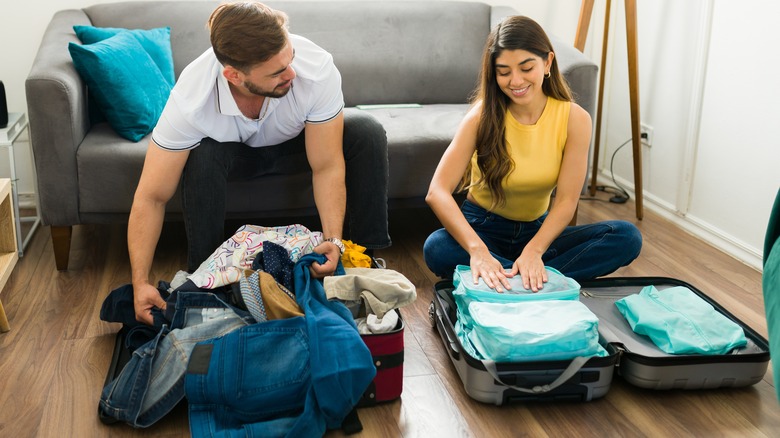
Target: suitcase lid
x,y
600,296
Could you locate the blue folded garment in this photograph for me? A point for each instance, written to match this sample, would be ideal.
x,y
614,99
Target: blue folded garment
x,y
532,331
680,322
522,325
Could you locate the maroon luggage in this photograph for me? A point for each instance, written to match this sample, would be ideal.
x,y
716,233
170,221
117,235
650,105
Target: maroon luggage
x,y
387,349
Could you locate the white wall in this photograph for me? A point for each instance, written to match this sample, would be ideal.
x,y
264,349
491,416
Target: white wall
x,y
737,172
706,86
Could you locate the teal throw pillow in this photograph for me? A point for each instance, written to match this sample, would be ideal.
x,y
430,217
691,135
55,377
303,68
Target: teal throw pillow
x,y
156,42
125,81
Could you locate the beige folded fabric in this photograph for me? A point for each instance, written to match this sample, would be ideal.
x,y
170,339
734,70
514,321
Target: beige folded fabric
x,y
381,289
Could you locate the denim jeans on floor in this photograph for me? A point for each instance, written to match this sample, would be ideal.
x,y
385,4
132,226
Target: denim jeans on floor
x,y
152,382
581,252
212,164
291,377
255,378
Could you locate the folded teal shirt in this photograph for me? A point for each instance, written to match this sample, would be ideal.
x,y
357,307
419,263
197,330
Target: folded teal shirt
x,y
532,331
680,322
522,325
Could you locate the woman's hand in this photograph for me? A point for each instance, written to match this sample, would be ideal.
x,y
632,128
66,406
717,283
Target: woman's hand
x,y
531,270
484,265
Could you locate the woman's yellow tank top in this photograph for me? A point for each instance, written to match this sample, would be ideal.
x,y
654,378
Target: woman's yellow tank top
x,y
537,153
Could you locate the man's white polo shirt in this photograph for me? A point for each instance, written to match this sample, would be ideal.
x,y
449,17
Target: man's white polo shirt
x,y
201,105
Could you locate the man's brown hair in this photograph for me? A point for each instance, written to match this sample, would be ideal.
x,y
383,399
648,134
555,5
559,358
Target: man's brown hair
x,y
246,33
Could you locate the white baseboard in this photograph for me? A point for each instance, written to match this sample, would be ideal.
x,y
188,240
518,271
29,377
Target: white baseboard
x,y
698,227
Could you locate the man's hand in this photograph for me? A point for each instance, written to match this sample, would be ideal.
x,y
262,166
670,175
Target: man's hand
x,y
332,252
146,297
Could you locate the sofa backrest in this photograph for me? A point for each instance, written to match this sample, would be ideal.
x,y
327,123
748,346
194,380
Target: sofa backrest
x,y
387,52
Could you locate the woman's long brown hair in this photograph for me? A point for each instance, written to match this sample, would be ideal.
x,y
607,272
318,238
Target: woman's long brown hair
x,y
513,33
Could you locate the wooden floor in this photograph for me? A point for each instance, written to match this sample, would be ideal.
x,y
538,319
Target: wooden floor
x,y
54,359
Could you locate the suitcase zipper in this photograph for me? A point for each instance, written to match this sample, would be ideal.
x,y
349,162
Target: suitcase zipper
x,y
589,294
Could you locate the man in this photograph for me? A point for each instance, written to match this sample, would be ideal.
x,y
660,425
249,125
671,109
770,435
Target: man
x,y
260,101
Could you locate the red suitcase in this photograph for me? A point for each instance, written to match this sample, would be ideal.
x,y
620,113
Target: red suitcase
x,y
387,349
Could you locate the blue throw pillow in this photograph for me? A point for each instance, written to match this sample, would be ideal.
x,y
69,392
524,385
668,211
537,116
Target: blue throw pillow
x,y
156,42
125,81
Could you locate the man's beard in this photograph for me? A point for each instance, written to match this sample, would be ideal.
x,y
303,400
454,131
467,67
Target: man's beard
x,y
275,93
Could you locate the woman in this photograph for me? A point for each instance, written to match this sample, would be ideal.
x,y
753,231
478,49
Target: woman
x,y
522,138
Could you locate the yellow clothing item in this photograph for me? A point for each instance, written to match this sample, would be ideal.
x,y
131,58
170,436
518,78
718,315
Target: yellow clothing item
x,y
353,256
537,152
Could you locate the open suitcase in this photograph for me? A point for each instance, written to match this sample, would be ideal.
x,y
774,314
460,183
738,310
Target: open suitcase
x,y
633,357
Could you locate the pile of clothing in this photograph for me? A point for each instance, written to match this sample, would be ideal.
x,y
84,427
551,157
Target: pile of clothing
x,y
251,340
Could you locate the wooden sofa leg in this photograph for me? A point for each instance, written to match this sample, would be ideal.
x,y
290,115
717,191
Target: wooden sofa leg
x,y
60,239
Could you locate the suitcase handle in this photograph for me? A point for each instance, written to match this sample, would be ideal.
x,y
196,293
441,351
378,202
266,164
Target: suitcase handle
x,y
451,338
567,374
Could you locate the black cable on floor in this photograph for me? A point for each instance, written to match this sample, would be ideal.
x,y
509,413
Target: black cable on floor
x,y
620,195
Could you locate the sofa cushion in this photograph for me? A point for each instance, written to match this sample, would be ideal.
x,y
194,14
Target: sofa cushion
x,y
387,52
125,81
398,52
111,163
156,42
416,140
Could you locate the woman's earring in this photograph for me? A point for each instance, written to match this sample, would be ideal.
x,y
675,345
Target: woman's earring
x,y
547,75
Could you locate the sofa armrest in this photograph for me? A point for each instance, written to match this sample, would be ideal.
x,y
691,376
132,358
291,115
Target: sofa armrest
x,y
58,118
580,72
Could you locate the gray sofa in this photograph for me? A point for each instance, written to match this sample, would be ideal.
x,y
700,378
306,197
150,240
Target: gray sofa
x,y
422,52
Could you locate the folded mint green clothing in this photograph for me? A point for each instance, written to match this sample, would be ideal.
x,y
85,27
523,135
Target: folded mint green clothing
x,y
558,286
680,322
531,331
522,325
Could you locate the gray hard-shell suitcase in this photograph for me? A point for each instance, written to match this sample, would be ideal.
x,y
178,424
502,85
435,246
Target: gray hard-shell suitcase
x,y
634,357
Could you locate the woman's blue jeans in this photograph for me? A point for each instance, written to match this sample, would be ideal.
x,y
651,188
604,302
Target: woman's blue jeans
x,y
212,164
581,252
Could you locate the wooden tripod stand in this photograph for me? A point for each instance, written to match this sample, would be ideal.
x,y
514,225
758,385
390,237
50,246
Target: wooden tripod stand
x,y
633,88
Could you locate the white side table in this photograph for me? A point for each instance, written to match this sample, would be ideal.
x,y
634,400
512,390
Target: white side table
x,y
17,123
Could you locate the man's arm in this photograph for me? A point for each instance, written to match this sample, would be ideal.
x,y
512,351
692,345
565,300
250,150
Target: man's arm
x,y
159,180
325,153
